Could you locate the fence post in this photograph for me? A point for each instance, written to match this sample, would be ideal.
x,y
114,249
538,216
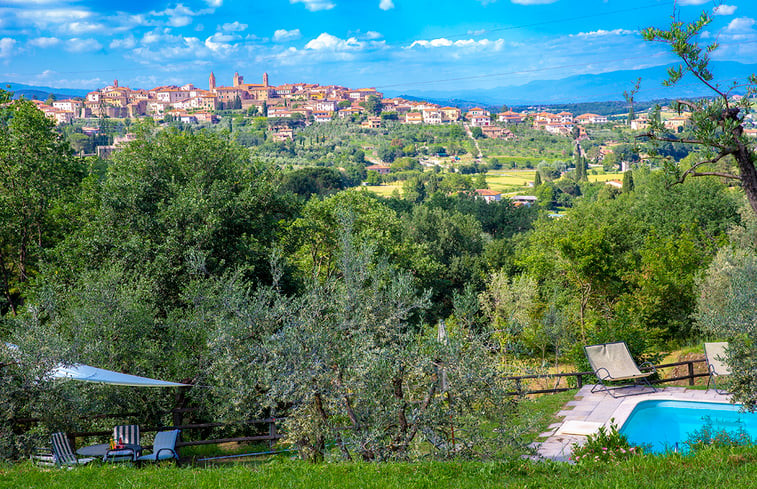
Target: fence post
x,y
272,432
691,372
580,380
518,387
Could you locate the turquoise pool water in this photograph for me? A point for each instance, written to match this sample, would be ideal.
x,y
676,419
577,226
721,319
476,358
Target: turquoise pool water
x,y
667,424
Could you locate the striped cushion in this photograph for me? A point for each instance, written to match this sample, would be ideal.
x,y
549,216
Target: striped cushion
x,y
62,452
128,434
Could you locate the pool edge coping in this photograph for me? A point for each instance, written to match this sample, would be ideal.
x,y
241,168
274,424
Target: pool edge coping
x,y
602,408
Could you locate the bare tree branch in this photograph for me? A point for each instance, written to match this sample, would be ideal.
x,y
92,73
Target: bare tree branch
x,y
713,174
668,139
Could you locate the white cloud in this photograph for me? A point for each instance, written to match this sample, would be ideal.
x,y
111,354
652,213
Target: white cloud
x,y
157,47
124,22
434,43
222,44
315,5
44,42
77,45
692,2
386,4
602,33
181,16
281,35
327,42
373,35
45,17
235,26
83,27
323,48
528,2
7,46
741,24
443,42
724,9
214,3
26,3
153,37
126,43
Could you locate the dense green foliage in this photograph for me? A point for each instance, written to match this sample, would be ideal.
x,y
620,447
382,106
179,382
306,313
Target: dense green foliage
x,y
380,328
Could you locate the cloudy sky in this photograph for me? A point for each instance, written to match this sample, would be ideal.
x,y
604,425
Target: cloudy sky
x,y
394,45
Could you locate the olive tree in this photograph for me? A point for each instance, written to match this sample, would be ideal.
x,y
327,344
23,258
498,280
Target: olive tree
x,y
717,122
350,367
725,310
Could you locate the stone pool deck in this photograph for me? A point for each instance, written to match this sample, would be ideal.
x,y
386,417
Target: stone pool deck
x,y
588,411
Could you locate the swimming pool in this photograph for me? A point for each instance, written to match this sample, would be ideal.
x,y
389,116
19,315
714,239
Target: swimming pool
x,y
667,424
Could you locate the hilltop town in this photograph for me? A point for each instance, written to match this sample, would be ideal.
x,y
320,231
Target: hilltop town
x,y
305,101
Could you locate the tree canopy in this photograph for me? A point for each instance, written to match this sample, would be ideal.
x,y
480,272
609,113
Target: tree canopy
x,y
717,122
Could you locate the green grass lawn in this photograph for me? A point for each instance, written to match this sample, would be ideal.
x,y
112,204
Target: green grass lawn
x,y
735,467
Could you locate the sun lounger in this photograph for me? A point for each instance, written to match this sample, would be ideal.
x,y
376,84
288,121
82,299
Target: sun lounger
x,y
715,354
612,362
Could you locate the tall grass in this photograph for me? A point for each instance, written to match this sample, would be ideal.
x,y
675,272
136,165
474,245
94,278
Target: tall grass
x,y
734,467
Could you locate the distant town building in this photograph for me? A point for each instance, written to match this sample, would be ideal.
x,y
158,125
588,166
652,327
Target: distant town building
x,y
488,195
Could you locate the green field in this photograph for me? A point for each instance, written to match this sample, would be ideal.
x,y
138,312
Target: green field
x,y
385,190
509,180
505,181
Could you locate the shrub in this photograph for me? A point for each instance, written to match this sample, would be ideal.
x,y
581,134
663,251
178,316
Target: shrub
x,y
605,446
707,437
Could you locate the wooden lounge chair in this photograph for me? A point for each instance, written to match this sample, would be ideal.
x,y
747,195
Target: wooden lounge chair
x,y
612,362
163,448
63,455
715,355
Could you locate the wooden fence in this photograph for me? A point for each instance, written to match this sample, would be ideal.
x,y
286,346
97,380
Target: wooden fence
x,y
582,376
270,433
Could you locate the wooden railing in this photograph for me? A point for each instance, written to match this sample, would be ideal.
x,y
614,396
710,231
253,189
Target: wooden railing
x,y
271,433
270,436
582,376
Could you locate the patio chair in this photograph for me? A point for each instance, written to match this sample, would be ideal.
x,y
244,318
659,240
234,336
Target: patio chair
x,y
612,362
63,454
163,448
128,435
715,355
43,457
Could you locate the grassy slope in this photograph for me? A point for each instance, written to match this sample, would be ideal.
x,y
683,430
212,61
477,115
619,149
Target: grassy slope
x,y
717,468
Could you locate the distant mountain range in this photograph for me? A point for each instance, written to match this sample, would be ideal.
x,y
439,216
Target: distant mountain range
x,y
575,89
587,88
42,93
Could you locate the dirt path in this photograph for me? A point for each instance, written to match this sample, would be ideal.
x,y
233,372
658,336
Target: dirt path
x,y
475,141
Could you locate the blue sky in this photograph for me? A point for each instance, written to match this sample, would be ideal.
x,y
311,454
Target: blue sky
x,y
394,45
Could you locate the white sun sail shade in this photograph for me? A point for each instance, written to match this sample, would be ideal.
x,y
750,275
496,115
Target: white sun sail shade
x,y
85,373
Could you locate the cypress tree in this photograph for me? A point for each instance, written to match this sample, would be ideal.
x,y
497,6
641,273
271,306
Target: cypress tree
x,y
627,181
537,179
